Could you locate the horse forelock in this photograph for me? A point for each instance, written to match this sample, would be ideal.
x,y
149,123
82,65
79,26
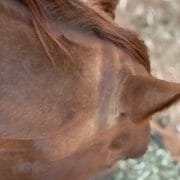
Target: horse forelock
x,y
78,14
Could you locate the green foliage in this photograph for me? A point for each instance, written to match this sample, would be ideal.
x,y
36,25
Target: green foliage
x,y
156,164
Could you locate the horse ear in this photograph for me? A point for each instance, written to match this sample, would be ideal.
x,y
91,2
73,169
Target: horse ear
x,y
144,96
108,6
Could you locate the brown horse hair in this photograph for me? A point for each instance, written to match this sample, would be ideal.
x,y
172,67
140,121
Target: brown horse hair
x,y
78,14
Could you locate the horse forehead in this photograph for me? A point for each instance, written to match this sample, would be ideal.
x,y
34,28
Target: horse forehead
x,y
103,51
98,55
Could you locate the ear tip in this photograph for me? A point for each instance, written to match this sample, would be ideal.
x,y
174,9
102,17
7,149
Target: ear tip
x,y
105,5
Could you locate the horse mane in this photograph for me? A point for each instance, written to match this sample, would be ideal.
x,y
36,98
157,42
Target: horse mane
x,y
79,15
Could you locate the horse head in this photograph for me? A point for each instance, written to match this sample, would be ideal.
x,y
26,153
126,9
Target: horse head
x,y
79,95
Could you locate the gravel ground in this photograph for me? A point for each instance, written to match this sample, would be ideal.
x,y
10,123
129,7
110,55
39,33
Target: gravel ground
x,y
158,23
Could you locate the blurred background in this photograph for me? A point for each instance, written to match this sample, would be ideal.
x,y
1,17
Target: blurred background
x,y
158,23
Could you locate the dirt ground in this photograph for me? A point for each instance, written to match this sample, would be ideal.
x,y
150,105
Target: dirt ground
x,y
158,23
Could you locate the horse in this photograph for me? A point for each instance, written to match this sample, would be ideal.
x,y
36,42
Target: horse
x,y
76,90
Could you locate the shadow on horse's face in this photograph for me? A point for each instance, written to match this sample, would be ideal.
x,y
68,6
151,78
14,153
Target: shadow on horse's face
x,y
70,120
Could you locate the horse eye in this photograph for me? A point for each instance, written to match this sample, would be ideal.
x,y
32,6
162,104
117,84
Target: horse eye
x,y
122,115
